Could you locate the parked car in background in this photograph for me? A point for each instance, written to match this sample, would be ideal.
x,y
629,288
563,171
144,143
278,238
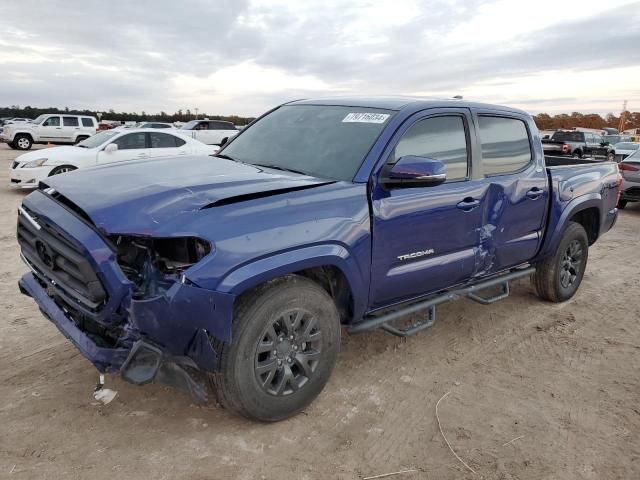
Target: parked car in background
x,y
359,211
621,150
49,128
630,170
211,132
155,125
16,120
109,146
575,144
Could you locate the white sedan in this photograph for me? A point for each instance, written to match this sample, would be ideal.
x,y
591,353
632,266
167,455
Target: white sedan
x,y
105,147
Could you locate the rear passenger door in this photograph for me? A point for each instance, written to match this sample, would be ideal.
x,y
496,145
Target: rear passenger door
x,y
70,125
517,190
165,145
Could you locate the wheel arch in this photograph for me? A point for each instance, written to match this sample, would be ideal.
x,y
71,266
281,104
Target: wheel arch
x,y
330,266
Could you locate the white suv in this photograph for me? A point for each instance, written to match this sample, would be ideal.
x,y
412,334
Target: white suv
x,y
49,128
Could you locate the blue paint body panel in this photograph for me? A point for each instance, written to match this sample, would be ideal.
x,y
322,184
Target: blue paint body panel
x,y
263,224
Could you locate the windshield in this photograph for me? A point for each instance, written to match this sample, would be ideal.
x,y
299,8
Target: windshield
x,y
40,119
97,139
318,140
627,146
189,125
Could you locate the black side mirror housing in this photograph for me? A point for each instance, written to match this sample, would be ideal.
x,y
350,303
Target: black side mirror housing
x,y
413,171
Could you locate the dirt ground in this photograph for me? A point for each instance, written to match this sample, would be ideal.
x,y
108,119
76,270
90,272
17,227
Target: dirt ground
x,y
538,391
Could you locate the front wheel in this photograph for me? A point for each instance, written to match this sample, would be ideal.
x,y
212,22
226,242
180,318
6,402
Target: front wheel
x,y
22,142
558,277
286,338
61,169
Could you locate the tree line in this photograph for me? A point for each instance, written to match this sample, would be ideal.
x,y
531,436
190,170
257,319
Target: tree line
x,y
179,116
544,121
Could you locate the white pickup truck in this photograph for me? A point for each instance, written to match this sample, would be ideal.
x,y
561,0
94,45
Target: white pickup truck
x,y
210,132
49,128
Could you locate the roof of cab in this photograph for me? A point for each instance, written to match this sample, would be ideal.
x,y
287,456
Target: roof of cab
x,y
399,102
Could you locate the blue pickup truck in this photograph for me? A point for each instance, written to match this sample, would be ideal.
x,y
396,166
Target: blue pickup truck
x,y
237,272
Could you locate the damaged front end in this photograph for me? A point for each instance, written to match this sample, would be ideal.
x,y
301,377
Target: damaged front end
x,y
124,301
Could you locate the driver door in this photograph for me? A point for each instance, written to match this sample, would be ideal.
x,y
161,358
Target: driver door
x,y
131,146
425,238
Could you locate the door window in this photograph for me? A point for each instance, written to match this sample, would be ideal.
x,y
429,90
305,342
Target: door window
x,y
442,138
505,145
131,141
164,140
52,122
70,121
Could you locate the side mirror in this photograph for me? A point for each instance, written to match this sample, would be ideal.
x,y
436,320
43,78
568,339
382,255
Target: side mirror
x,y
224,141
112,147
413,171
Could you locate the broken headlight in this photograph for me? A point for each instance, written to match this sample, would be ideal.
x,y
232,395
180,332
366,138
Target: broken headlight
x,y
154,264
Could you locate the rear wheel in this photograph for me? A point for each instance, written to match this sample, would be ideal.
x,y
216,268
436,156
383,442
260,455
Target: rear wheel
x,y
622,204
62,169
286,338
22,142
577,154
80,139
558,277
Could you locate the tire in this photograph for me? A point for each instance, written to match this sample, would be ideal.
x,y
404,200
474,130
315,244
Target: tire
x,y
622,204
62,169
22,142
577,154
80,139
264,374
558,277
611,157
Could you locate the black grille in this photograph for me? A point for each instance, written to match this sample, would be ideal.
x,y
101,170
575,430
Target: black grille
x,y
55,258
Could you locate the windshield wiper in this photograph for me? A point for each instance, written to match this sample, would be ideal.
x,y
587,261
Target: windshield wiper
x,y
278,167
226,157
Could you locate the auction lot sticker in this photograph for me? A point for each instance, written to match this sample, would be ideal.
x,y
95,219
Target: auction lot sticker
x,y
365,118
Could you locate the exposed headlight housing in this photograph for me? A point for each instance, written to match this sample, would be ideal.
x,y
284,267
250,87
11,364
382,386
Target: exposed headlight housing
x,y
35,163
154,264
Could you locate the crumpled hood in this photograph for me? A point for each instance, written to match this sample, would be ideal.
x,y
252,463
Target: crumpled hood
x,y
143,196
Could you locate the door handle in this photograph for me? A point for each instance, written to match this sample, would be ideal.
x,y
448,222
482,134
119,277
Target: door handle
x,y
468,204
142,155
535,193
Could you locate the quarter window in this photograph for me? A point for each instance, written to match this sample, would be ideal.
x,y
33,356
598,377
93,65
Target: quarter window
x,y
505,145
442,138
87,122
131,141
70,121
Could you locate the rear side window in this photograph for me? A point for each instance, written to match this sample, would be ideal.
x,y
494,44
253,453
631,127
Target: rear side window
x,y
441,138
568,137
131,141
163,140
70,121
87,122
505,145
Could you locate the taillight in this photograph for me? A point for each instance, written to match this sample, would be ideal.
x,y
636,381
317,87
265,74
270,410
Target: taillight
x,y
565,148
627,167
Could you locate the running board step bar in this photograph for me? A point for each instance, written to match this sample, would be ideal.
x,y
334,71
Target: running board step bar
x,y
385,320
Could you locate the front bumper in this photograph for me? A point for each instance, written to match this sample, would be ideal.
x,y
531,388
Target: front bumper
x,y
178,323
28,177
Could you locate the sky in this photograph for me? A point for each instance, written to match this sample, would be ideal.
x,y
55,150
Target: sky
x,y
246,56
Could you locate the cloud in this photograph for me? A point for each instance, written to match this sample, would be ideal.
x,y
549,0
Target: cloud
x,y
242,56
